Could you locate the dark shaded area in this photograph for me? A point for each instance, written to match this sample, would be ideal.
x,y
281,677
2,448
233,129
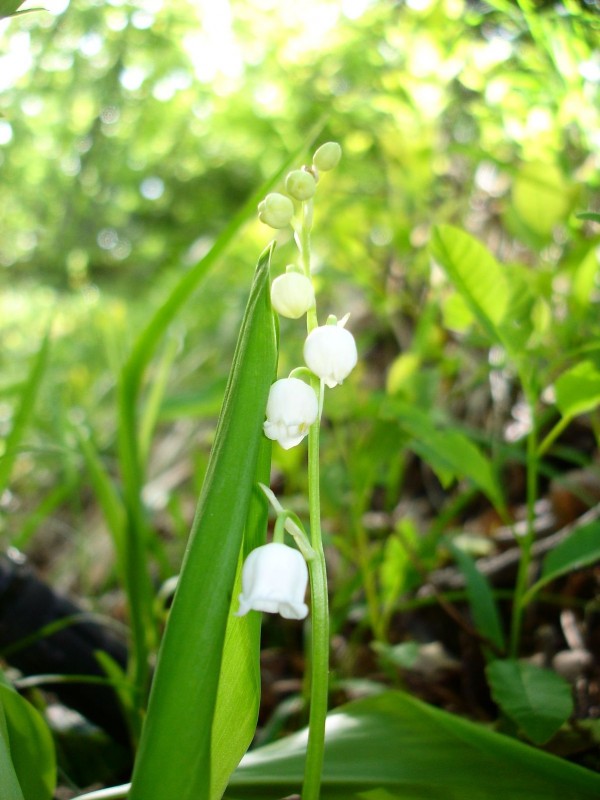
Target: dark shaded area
x,y
27,606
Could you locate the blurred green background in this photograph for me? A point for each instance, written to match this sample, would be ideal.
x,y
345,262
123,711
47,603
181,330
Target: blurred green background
x,y
131,133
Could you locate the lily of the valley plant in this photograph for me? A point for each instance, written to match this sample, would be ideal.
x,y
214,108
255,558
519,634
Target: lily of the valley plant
x,y
274,576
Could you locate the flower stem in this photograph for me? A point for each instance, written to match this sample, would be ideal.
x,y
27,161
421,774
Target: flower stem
x,y
319,662
319,640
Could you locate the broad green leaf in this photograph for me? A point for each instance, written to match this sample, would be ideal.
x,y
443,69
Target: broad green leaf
x,y
577,392
30,747
518,324
10,788
542,198
396,566
403,655
476,275
8,7
400,371
578,550
238,699
396,744
584,278
456,314
500,298
111,793
449,452
537,699
481,599
181,748
578,389
589,215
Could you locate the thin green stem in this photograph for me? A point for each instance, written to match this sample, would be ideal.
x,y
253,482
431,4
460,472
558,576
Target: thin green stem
x,y
319,640
551,437
526,541
319,662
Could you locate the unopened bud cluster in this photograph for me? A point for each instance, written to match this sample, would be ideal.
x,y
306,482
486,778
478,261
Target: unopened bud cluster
x,y
274,577
277,210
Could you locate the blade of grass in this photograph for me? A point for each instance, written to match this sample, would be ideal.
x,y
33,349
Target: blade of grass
x,y
481,600
53,500
151,409
179,747
105,491
24,411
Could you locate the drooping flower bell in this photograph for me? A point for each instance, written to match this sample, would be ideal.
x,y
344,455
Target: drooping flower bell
x,y
276,210
330,352
274,579
292,408
292,294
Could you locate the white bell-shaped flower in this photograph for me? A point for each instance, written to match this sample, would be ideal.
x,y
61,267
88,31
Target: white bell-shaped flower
x,y
292,408
274,579
292,294
330,352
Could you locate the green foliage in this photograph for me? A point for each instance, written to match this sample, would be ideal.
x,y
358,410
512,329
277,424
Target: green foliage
x,y
394,746
450,452
132,140
23,412
578,389
580,549
476,275
396,570
499,299
541,199
481,599
8,8
537,699
219,705
28,762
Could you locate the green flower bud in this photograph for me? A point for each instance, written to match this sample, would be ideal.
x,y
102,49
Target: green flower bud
x,y
292,295
300,184
327,156
276,210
